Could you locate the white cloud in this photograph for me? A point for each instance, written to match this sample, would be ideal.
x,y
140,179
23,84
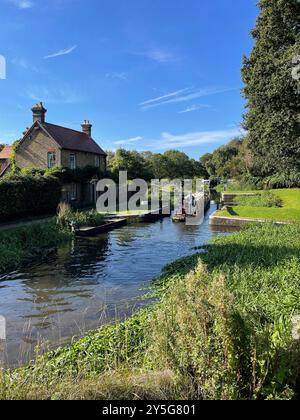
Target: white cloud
x,y
61,52
129,141
169,140
194,108
182,95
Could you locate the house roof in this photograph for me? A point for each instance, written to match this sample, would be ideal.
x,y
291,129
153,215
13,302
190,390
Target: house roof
x,y
6,152
70,139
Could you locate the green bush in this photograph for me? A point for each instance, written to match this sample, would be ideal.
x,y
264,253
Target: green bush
x,y
28,195
265,199
283,180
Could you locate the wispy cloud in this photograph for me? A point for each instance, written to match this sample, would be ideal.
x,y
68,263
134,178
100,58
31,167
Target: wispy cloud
x,y
182,95
194,108
163,98
23,4
61,52
169,140
128,141
158,55
117,75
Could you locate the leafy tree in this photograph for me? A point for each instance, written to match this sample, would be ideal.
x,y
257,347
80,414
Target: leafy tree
x,y
272,93
130,161
228,161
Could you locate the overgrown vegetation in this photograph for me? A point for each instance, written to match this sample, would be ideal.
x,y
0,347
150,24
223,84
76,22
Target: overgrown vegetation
x,y
22,244
66,217
221,330
263,199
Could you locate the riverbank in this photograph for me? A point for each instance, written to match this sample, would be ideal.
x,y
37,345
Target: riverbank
x,y
221,329
238,215
36,239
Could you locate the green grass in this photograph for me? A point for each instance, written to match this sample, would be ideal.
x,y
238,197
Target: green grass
x,y
221,329
290,211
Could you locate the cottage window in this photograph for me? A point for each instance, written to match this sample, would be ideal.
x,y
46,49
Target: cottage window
x,y
73,192
97,161
72,161
51,159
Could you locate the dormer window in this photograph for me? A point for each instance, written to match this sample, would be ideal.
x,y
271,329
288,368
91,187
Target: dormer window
x,y
51,160
72,161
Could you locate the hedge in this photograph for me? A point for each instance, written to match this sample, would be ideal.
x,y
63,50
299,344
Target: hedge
x,y
28,196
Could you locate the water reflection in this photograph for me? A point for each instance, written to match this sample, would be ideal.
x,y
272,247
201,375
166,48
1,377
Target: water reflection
x,y
86,283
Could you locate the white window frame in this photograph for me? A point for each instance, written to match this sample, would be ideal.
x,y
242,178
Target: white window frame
x,y
51,160
73,164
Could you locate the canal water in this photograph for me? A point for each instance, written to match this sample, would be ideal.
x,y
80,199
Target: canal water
x,y
89,282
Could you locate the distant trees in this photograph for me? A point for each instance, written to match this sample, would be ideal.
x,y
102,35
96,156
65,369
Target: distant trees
x,y
147,165
271,91
228,161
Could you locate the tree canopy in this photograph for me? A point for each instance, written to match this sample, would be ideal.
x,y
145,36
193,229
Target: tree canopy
x,y
271,91
147,165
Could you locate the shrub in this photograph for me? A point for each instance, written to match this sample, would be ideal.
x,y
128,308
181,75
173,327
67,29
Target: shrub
x,y
283,180
265,199
28,195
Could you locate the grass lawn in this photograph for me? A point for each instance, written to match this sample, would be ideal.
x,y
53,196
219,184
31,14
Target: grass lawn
x,y
289,212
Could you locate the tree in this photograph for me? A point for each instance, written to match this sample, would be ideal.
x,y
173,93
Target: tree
x,y
272,94
130,161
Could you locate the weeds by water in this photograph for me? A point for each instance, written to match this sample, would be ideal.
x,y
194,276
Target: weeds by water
x,y
221,330
23,243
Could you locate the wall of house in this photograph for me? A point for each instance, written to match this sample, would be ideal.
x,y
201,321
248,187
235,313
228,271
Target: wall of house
x,y
33,151
82,159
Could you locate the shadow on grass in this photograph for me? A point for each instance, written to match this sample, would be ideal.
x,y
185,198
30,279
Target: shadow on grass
x,y
231,211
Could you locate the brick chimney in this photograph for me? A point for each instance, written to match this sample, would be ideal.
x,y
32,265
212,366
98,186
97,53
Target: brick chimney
x,y
87,128
38,113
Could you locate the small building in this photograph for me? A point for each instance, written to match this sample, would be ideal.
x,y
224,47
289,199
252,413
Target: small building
x,y
45,145
5,155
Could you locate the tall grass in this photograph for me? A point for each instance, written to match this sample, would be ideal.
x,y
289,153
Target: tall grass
x,y
221,330
67,217
24,243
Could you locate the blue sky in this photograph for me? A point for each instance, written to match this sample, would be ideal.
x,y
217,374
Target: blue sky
x,y
149,74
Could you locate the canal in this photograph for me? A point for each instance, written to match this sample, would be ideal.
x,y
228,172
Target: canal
x,y
87,283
